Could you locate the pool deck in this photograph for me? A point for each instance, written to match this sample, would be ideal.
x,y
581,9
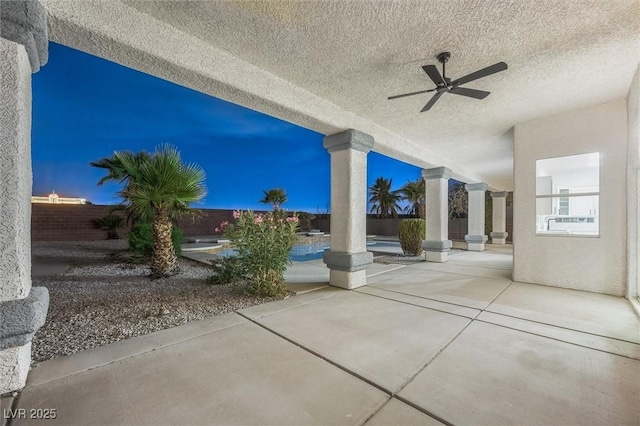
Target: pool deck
x,y
426,343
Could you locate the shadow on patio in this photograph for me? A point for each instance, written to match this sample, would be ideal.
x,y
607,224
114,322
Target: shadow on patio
x,y
453,343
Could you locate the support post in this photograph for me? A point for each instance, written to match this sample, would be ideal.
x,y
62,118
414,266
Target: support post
x,y
499,219
348,257
476,238
436,243
23,50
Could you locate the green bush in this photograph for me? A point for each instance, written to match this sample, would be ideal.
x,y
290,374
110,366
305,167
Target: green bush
x,y
110,223
263,242
228,270
305,221
141,239
411,233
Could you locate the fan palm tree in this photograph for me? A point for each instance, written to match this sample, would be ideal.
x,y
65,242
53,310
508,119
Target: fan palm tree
x,y
384,201
414,192
275,197
162,190
122,166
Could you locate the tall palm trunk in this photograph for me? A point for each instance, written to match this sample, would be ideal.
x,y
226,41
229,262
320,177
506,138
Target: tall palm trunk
x,y
164,261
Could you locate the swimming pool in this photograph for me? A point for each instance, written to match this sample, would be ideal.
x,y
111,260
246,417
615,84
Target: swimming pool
x,y
299,252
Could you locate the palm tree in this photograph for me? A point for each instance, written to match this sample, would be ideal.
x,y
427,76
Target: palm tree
x,y
275,196
384,200
162,191
414,193
122,166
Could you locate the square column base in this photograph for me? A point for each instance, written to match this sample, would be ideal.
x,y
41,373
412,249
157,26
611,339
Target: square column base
x,y
475,246
499,237
475,242
348,280
437,256
14,367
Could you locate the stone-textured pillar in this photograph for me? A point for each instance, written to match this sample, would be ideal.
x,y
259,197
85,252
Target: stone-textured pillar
x,y
436,243
348,257
23,49
499,219
476,238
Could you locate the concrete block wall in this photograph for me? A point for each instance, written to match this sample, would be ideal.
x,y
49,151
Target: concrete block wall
x,y
75,222
68,222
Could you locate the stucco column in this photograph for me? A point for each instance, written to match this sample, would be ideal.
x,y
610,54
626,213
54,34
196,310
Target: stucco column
x,y
499,219
437,243
348,257
475,238
23,49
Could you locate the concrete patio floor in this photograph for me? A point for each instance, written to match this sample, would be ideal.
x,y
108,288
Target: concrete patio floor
x,y
453,343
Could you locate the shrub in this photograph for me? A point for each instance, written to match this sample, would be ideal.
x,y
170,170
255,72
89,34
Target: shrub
x,y
228,270
110,223
411,233
141,239
305,221
263,242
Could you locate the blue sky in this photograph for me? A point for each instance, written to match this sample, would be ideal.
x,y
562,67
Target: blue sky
x,y
85,108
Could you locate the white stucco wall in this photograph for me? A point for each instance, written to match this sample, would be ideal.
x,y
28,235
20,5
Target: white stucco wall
x,y
591,264
633,188
15,198
15,172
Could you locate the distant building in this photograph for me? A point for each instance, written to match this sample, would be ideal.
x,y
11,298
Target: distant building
x,y
54,198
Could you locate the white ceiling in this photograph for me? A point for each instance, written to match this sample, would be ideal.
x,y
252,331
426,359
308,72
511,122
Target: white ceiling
x,y
352,55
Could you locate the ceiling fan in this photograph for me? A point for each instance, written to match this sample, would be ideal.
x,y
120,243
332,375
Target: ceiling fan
x,y
445,85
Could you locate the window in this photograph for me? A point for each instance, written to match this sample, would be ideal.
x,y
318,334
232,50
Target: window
x,y
568,195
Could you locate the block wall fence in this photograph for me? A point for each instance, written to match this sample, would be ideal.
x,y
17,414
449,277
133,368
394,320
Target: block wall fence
x,y
67,222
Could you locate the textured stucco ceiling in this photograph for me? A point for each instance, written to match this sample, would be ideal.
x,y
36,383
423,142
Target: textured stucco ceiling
x,y
331,64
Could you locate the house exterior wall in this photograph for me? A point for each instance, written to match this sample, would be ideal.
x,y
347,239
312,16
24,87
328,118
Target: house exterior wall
x,y
596,264
633,187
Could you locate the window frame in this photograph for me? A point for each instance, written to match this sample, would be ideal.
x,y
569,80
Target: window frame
x,y
568,196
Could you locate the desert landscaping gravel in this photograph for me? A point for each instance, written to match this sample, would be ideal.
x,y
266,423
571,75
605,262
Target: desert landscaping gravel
x,y
102,299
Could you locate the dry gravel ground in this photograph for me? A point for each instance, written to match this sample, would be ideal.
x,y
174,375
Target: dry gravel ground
x,y
102,298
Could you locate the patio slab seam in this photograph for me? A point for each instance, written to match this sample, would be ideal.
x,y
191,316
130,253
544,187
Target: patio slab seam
x,y
573,330
325,289
435,355
397,267
423,410
130,354
322,357
421,267
411,405
419,297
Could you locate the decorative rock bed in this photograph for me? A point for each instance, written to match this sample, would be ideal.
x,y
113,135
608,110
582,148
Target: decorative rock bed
x,y
102,299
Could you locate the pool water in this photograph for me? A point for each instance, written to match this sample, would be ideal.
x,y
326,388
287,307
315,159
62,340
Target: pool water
x,y
299,253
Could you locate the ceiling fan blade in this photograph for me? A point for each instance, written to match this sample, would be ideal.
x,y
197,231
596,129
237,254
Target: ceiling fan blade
x,y
433,100
434,75
472,93
500,66
411,94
